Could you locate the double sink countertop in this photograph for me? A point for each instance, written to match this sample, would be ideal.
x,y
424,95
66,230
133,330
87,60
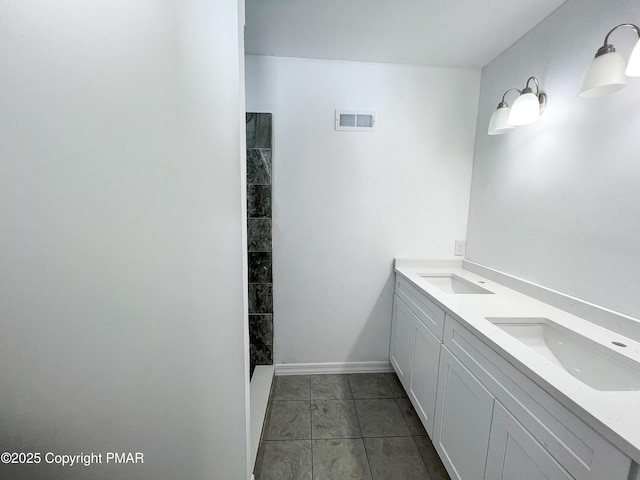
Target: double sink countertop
x,y
613,412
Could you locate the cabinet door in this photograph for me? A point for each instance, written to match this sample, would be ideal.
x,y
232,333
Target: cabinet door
x,y
515,455
424,375
403,327
462,419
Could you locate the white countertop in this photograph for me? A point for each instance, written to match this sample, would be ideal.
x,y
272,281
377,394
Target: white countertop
x,y
613,414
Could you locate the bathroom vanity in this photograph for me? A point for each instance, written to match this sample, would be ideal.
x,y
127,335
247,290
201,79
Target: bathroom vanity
x,y
509,387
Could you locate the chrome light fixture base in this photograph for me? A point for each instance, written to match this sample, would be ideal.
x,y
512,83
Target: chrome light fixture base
x,y
529,105
526,109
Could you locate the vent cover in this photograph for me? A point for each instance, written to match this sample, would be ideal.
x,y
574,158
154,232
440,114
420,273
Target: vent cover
x,y
355,120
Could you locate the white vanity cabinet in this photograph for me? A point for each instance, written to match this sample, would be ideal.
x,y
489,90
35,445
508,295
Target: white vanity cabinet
x,y
486,418
531,435
462,419
416,336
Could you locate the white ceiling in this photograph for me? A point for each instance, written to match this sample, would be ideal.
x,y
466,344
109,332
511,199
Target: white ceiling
x,y
467,33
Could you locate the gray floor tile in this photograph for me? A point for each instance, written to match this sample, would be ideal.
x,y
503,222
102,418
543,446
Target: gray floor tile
x,y
411,417
288,460
380,418
431,459
395,458
292,387
370,385
343,459
334,419
396,387
388,451
289,420
330,387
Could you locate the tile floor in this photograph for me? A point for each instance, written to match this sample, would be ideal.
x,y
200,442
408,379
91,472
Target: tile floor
x,y
342,427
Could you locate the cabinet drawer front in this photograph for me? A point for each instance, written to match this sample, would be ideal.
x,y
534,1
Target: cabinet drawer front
x,y
580,450
427,311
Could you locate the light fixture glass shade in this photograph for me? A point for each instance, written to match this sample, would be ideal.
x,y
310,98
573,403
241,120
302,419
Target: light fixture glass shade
x,y
604,75
633,66
498,123
525,110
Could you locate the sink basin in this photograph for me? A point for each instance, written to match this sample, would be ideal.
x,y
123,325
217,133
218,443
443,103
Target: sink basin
x,y
593,364
452,283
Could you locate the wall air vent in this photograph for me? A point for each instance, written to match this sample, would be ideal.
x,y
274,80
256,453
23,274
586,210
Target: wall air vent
x,y
355,120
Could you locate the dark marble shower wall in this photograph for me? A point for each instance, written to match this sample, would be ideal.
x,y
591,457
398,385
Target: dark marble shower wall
x,y
259,238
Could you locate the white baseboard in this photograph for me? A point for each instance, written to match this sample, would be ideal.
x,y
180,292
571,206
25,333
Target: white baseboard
x,y
332,367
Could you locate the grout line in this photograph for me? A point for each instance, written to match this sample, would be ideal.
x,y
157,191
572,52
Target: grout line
x,y
289,440
366,454
342,438
376,398
403,417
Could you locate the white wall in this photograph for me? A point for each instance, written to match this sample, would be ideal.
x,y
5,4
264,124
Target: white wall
x,y
557,202
347,203
121,292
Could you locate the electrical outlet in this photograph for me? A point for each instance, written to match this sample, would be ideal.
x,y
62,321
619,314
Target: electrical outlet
x,y
458,249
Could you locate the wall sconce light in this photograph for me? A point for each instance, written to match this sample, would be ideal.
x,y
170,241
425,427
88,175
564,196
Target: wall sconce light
x,y
606,73
528,106
526,109
498,123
